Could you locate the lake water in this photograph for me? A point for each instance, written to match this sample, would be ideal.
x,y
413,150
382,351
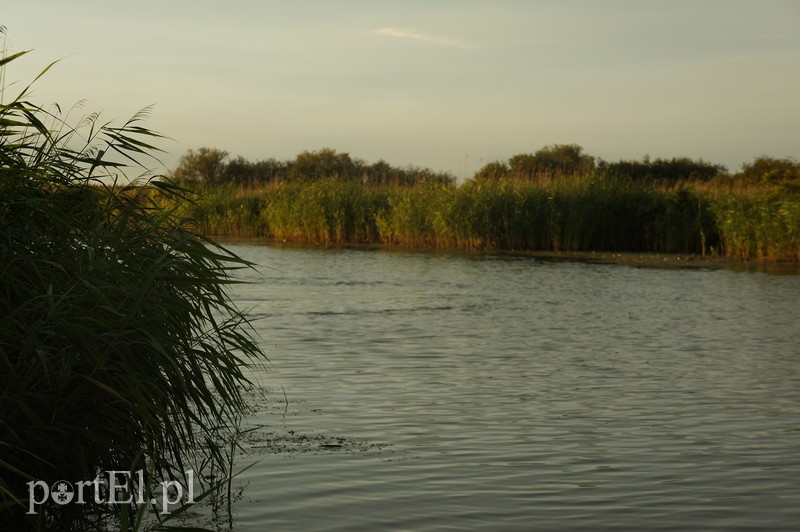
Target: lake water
x,y
455,392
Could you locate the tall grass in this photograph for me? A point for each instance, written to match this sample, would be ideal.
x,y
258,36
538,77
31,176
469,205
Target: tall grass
x,y
228,210
119,346
327,212
764,224
593,212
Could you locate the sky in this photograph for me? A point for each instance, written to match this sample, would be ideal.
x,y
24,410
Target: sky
x,y
450,85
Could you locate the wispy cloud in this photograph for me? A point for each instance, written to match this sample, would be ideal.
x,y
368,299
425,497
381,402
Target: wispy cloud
x,y
407,33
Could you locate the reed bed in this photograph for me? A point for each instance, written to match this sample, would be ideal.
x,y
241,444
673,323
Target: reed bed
x,y
580,213
761,225
325,212
230,210
120,347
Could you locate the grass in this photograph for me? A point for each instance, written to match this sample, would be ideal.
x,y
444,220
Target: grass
x,y
327,212
592,212
764,224
119,346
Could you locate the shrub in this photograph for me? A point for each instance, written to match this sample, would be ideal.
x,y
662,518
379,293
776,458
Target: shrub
x,y
555,160
770,170
663,170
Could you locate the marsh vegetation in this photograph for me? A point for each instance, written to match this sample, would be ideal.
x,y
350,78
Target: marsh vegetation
x,y
120,349
557,199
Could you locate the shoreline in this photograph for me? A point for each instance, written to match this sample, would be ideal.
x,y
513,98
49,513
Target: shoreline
x,y
637,259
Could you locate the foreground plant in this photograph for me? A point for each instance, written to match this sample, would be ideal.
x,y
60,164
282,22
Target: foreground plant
x,y
120,348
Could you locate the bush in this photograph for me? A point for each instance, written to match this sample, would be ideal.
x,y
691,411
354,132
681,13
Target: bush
x,y
555,160
664,170
206,165
770,170
493,171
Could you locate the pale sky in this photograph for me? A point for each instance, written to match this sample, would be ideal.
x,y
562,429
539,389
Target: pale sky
x,y
446,84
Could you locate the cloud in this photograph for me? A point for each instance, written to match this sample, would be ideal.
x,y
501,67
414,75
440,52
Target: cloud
x,y
406,33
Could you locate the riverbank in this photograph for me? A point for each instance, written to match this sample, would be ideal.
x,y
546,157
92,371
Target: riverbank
x,y
669,261
577,214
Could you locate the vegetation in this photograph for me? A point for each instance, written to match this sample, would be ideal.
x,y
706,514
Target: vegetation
x,y
210,167
770,170
573,204
670,171
569,159
555,160
119,346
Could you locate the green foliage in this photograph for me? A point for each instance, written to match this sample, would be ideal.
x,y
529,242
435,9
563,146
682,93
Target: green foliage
x,y
564,160
628,206
664,170
329,211
206,165
589,213
240,171
324,163
230,211
493,170
211,167
554,160
763,225
119,346
770,170
415,216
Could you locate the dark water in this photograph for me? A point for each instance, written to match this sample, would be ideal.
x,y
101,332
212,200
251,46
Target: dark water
x,y
436,392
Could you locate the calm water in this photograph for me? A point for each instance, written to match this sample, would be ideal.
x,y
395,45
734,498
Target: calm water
x,y
436,392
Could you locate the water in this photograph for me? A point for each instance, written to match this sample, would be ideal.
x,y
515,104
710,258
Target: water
x,y
451,392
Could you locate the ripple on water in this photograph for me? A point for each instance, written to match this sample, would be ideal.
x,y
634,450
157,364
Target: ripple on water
x,y
436,391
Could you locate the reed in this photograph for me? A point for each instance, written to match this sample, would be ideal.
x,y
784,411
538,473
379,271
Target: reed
x,y
416,216
587,212
764,224
229,210
328,211
119,346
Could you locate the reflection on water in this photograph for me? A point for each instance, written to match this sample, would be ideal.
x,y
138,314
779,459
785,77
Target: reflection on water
x,y
431,391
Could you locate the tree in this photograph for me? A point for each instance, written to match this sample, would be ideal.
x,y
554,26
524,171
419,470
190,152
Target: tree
x,y
270,170
771,170
380,173
496,170
523,165
313,165
206,165
553,160
664,170
562,159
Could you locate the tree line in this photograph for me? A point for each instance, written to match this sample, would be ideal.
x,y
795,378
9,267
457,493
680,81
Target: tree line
x,y
212,166
569,159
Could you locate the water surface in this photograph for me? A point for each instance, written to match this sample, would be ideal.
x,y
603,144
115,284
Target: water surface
x,y
437,391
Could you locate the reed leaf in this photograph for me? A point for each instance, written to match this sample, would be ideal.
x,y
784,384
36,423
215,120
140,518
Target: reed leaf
x,y
119,345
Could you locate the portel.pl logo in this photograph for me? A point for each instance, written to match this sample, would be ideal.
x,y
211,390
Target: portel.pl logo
x,y
114,487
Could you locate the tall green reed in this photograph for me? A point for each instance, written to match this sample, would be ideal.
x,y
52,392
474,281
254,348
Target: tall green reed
x,y
764,224
595,211
120,348
589,212
328,211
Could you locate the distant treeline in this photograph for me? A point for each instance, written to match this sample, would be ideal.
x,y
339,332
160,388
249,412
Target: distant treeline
x,y
557,199
211,166
569,159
